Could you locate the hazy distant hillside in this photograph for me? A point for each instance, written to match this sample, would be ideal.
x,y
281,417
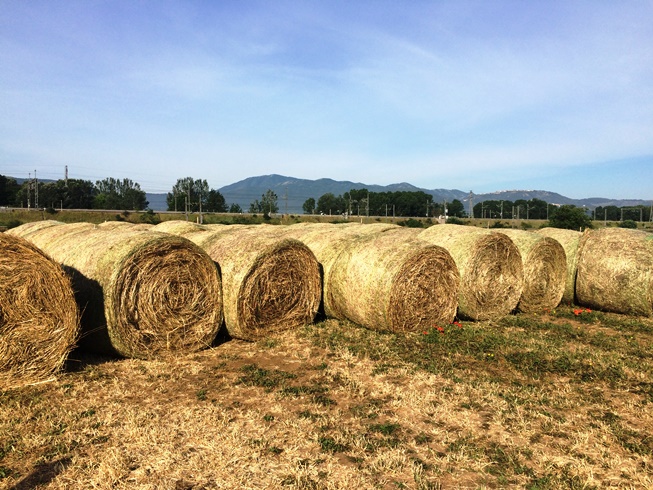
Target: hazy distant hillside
x,y
293,192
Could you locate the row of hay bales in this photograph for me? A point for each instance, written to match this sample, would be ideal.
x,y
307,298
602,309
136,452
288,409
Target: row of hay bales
x,y
149,291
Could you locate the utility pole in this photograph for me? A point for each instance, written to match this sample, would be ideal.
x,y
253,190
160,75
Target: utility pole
x,y
65,178
36,191
368,204
471,204
427,209
29,186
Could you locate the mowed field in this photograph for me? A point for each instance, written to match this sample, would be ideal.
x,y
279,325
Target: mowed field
x,y
557,400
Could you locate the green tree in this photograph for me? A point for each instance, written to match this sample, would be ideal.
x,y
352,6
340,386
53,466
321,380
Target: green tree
x,y
187,194
267,205
235,208
8,191
570,217
457,209
309,206
119,194
215,202
329,203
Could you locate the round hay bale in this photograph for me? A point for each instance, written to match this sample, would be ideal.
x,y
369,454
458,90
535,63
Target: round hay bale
x,y
112,225
327,241
615,271
27,228
393,281
545,270
490,266
270,284
142,294
39,322
569,239
178,227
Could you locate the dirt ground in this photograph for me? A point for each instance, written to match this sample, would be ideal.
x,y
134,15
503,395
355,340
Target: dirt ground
x,y
334,406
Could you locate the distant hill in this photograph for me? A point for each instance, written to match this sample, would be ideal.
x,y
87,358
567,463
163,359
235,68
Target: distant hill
x,y
293,192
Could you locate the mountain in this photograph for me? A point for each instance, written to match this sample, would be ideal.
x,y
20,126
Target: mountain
x,y
293,192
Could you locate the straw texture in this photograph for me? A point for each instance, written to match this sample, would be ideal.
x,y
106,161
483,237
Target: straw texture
x,y
142,294
39,321
490,265
615,271
545,270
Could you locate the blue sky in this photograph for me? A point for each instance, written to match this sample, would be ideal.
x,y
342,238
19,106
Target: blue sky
x,y
471,95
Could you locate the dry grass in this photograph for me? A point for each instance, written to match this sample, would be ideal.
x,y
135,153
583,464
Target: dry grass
x,y
615,271
545,269
141,293
39,321
569,239
490,265
550,402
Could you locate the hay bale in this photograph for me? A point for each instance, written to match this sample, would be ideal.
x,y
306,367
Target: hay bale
x,y
270,284
178,227
615,271
393,281
39,320
569,239
327,241
545,270
142,294
112,225
26,228
490,265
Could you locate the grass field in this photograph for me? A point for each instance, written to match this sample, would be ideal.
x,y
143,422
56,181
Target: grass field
x,y
562,400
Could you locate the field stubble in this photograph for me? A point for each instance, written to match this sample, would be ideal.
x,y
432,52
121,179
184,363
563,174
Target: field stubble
x,y
561,400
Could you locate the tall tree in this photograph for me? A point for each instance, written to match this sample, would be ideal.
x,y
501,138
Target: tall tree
x,y
329,203
119,194
8,190
309,206
187,194
570,217
215,202
267,205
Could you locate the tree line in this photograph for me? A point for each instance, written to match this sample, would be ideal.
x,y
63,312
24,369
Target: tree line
x,y
362,202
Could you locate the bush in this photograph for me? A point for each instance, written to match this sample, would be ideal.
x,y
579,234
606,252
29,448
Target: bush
x,y
628,223
499,224
411,223
455,221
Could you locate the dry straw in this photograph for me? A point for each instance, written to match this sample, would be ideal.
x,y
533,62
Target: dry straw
x,y
112,225
545,269
615,271
39,321
392,281
178,227
569,239
327,241
270,284
490,265
142,294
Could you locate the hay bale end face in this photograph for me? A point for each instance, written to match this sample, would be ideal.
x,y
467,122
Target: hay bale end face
x,y
490,265
569,239
142,294
545,270
270,284
615,271
39,321
394,282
